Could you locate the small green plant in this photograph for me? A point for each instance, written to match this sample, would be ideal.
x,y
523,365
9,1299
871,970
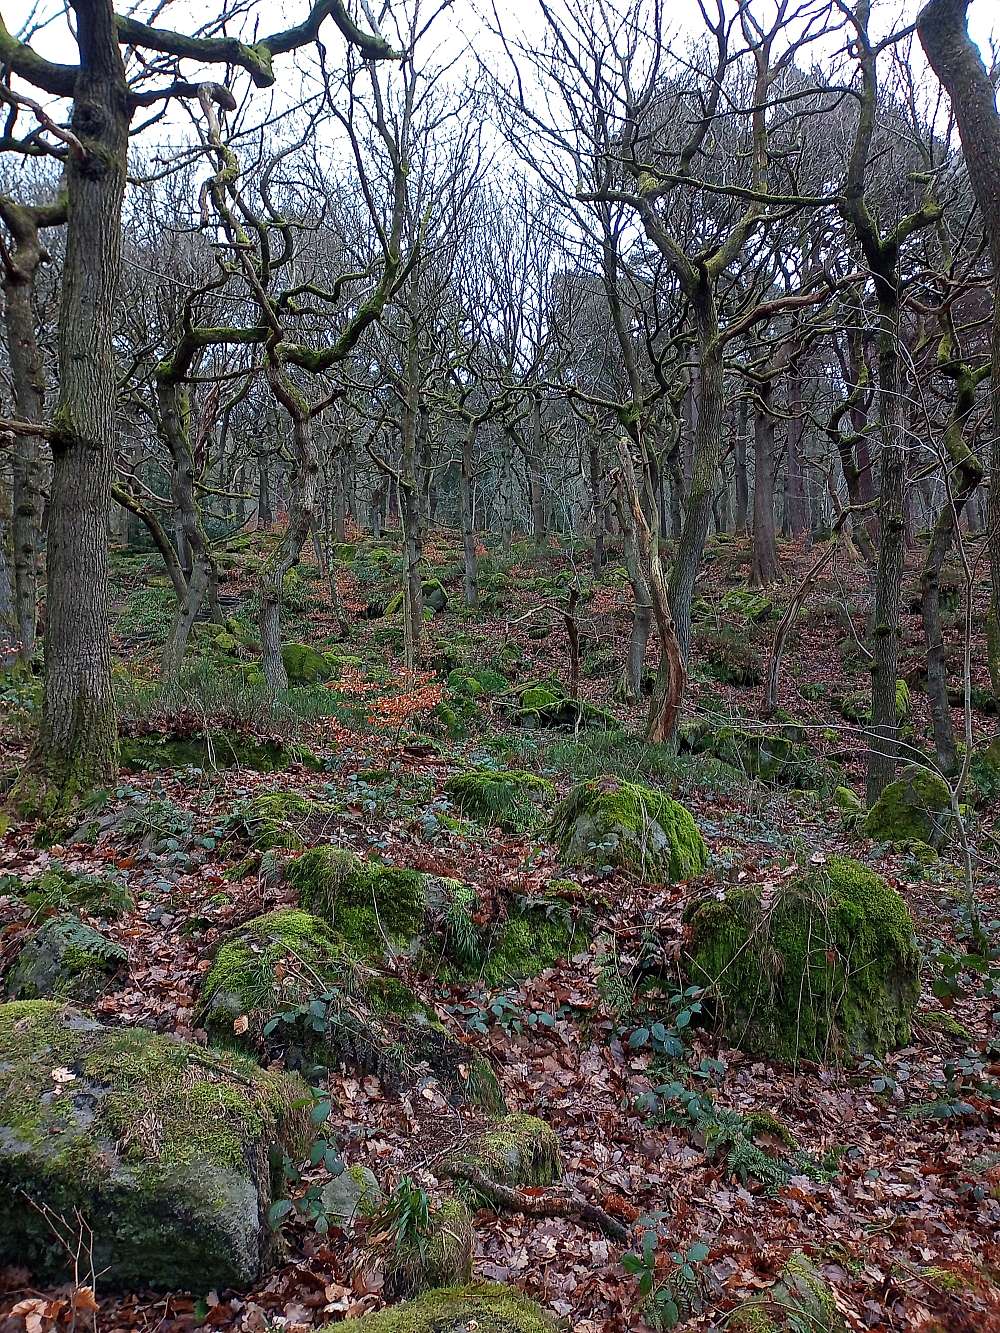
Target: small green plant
x,y
323,1152
670,1286
406,1216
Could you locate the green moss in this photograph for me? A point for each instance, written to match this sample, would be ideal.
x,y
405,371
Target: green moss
x,y
304,665
530,940
916,807
277,819
825,967
487,1308
164,1147
537,698
514,1150
511,800
217,749
66,960
611,822
799,1302
373,906
847,800
272,962
440,1257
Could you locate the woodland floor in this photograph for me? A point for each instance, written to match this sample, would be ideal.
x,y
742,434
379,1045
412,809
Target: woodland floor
x,y
908,1231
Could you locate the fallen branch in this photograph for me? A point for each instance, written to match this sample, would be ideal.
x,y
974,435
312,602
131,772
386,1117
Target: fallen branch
x,y
557,1203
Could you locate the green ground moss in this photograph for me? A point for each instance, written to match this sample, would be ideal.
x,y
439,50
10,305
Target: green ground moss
x,y
526,943
799,1302
916,807
487,1308
611,822
515,1150
827,969
164,1147
373,906
512,800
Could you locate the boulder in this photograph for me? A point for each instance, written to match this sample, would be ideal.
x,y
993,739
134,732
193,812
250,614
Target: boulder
x,y
513,1150
512,801
166,1149
914,808
285,984
305,665
825,967
474,1309
373,906
352,1195
66,960
279,819
216,749
609,822
547,704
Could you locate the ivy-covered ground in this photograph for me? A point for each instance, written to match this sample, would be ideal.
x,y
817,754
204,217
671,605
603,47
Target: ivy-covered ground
x,y
886,1172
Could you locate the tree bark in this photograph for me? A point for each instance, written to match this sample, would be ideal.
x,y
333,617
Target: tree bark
x,y
77,745
764,567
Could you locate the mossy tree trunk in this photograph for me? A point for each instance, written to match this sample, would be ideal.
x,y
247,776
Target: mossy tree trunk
x,y
764,568
957,62
21,262
77,746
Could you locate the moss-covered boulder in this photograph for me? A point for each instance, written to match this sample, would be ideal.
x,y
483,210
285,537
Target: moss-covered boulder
x,y
279,819
532,937
472,1309
547,704
800,1300
825,967
775,755
914,808
167,1150
848,801
608,822
305,665
285,984
511,800
512,1150
66,960
377,908
440,1255
351,1196
434,594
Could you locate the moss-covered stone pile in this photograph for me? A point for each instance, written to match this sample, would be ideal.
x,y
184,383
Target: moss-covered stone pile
x,y
825,967
609,822
166,1150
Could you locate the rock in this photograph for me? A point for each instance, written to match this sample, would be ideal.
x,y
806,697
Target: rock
x,y
472,1309
512,800
547,704
611,822
354,1194
285,984
66,960
849,801
984,772
799,1300
776,755
218,749
512,1150
916,807
163,1147
824,968
728,657
532,938
304,665
278,820
435,599
440,1257
374,907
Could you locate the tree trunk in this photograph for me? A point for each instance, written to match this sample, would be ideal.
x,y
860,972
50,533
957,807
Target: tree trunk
x,y
764,567
470,576
742,482
956,61
77,745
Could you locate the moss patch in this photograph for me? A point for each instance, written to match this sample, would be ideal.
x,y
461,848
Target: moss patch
x,y
511,800
441,1257
514,1150
826,968
221,749
609,822
799,1300
164,1147
375,907
487,1308
305,665
277,819
531,939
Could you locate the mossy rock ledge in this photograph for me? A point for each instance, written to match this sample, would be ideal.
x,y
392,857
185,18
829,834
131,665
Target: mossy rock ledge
x,y
221,749
608,822
824,968
167,1150
914,808
472,1309
66,960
